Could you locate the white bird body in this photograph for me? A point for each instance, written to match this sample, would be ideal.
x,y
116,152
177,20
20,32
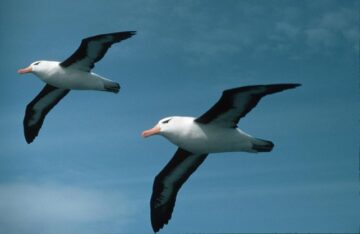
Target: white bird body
x,y
69,78
213,132
74,73
207,138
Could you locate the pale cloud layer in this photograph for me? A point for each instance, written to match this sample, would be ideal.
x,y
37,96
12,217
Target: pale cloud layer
x,y
50,208
272,28
333,28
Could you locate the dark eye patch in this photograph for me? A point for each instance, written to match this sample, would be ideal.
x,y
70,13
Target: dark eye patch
x,y
166,121
36,63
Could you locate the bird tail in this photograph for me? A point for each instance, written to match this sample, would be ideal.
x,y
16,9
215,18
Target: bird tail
x,y
112,86
261,145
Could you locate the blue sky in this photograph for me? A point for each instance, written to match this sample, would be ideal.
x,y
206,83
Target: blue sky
x,y
89,171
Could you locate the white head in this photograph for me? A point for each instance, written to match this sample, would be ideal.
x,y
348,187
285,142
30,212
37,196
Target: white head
x,y
35,67
166,127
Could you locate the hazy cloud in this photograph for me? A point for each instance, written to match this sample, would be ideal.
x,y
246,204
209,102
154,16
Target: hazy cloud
x,y
320,37
42,208
333,28
286,28
281,33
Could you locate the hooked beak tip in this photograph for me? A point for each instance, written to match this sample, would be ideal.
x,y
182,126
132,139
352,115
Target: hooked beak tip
x,y
24,70
153,131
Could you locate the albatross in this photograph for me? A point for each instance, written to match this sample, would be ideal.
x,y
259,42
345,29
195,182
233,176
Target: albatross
x,y
213,132
72,74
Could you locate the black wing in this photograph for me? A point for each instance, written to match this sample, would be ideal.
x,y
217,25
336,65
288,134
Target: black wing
x,y
38,108
167,184
236,103
93,49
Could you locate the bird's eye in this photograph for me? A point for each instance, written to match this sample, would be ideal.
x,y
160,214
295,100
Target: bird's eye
x,y
36,63
166,121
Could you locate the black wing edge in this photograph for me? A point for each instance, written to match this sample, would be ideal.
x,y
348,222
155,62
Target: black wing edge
x,y
81,51
31,132
161,215
225,103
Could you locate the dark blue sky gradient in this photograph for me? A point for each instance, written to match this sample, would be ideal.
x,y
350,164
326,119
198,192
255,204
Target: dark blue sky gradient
x,y
89,171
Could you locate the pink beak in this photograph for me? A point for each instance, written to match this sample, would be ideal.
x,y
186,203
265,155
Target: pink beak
x,y
154,130
25,70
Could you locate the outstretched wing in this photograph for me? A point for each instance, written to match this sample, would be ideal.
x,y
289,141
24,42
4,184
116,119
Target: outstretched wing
x,y
236,103
167,184
38,108
93,49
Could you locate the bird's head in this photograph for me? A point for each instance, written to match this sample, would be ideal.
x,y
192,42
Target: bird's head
x,y
32,68
164,127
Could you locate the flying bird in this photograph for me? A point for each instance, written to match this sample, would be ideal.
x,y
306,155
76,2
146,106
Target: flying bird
x,y
73,73
213,132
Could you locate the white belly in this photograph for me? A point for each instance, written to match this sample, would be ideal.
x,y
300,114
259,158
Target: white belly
x,y
68,78
205,139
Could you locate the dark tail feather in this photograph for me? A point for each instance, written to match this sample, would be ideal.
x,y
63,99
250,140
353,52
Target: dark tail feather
x,y
261,145
112,87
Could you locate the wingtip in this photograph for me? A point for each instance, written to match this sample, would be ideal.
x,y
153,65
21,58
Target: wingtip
x,y
125,34
283,86
29,139
130,33
155,228
290,85
286,84
157,224
29,132
274,88
297,85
